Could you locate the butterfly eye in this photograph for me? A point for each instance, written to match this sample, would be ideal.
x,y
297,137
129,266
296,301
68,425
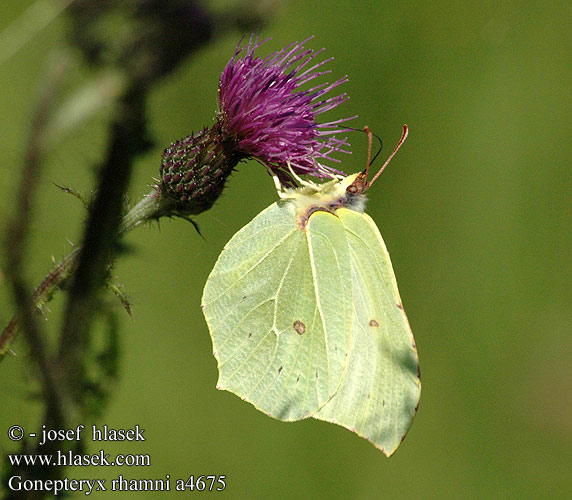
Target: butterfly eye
x,y
359,185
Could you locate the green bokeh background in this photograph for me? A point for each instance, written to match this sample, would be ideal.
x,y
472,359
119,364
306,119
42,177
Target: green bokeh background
x,y
476,211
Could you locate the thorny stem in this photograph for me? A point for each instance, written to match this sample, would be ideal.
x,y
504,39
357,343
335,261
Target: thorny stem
x,y
152,206
128,138
41,295
17,235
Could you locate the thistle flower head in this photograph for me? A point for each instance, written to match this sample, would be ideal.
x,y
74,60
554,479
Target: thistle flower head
x,y
272,118
268,113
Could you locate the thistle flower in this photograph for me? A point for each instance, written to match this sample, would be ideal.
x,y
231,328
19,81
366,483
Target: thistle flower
x,y
271,119
265,114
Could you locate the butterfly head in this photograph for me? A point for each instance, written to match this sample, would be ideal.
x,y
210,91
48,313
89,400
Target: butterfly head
x,y
347,192
360,184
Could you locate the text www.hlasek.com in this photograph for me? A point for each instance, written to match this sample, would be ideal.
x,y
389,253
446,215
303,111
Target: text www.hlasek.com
x,y
77,460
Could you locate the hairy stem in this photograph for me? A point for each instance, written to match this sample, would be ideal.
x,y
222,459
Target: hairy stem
x,y
152,206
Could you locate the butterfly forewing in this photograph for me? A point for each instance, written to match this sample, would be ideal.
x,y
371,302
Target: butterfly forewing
x,y
380,388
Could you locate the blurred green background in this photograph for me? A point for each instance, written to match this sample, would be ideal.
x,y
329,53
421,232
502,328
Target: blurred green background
x,y
476,211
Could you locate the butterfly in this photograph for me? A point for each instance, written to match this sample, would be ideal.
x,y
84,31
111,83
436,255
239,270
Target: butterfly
x,y
305,314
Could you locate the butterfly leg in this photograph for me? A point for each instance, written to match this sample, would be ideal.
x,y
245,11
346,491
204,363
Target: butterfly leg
x,y
277,184
301,181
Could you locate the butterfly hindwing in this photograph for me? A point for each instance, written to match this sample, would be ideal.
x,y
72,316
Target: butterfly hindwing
x,y
278,306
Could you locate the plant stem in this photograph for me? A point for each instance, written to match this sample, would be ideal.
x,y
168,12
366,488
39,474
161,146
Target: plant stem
x,y
153,206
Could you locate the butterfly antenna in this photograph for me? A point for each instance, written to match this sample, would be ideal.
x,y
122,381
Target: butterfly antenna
x,y
369,144
379,150
399,144
374,135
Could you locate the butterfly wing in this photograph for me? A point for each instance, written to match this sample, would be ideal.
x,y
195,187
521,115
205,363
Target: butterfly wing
x,y
278,307
380,388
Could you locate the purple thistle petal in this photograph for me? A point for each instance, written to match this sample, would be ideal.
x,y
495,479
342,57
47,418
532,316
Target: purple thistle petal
x,y
266,115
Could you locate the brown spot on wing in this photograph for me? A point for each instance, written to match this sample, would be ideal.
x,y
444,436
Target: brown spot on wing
x,y
373,323
299,327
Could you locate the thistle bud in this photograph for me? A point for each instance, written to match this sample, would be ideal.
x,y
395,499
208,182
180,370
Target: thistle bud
x,y
194,170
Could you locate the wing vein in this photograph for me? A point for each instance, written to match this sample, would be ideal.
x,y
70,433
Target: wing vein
x,y
237,280
319,304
